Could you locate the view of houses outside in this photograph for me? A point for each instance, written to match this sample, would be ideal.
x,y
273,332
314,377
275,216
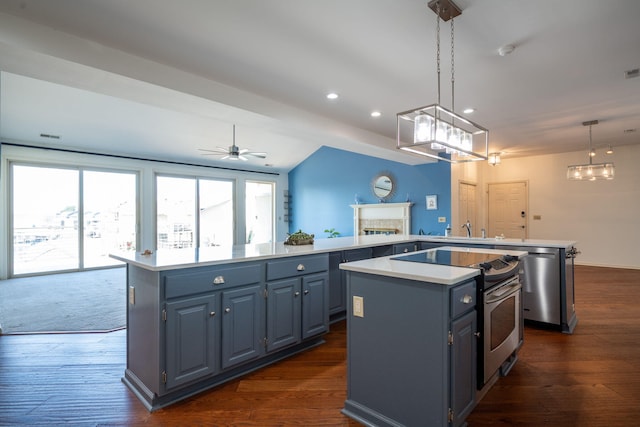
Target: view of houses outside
x,y
46,223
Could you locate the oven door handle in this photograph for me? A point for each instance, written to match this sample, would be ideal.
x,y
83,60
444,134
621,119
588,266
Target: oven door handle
x,y
502,292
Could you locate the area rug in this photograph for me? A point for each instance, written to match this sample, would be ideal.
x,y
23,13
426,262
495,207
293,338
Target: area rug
x,y
69,302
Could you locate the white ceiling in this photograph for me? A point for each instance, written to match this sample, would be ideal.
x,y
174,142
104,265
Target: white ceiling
x,y
162,78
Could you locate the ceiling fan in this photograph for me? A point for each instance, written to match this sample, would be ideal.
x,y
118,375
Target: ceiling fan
x,y
233,152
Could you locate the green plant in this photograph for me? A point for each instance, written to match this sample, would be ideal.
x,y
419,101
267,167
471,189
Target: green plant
x,y
332,232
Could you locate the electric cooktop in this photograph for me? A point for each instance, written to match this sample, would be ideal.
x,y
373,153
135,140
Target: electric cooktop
x,y
482,260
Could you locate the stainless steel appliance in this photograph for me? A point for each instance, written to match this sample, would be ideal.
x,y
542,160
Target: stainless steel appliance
x,y
502,327
499,296
548,286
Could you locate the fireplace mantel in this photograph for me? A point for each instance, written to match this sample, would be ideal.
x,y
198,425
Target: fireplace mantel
x,y
382,218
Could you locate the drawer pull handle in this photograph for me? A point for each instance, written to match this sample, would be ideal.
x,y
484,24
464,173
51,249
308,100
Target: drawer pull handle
x,y
297,294
467,299
218,280
300,267
227,310
213,313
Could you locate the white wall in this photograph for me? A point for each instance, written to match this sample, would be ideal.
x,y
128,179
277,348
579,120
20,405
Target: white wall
x,y
146,171
602,216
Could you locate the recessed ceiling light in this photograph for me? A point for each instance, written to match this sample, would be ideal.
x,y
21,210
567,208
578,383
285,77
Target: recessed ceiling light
x,y
376,114
332,95
468,110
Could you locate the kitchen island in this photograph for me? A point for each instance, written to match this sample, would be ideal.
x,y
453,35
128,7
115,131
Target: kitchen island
x,y
412,338
197,318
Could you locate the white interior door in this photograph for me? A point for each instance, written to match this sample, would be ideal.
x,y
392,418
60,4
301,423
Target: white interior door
x,y
466,209
508,208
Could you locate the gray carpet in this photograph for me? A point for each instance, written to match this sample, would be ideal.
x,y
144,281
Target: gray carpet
x,y
69,302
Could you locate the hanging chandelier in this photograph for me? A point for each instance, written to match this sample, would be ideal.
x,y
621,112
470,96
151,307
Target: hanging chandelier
x,y
591,171
433,130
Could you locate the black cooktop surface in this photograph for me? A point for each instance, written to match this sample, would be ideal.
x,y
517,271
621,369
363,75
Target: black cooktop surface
x,y
454,258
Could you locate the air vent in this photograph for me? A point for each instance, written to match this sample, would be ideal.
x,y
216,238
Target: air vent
x,y
632,73
46,135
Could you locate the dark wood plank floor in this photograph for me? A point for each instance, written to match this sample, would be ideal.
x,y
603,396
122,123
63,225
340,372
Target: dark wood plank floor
x,y
590,378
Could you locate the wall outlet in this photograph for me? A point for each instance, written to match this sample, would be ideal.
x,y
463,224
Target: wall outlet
x,y
442,219
358,306
537,217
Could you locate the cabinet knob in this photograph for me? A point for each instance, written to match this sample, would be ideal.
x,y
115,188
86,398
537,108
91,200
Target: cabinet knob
x,y
300,267
296,294
218,280
406,250
227,310
467,299
306,291
213,313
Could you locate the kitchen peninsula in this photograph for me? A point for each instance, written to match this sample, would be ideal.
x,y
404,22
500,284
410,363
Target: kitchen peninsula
x,y
197,318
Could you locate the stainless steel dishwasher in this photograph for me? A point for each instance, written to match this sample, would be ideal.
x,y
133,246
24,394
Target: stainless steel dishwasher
x,y
541,284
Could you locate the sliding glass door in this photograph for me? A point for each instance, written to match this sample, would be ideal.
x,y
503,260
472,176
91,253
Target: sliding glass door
x,y
66,219
194,212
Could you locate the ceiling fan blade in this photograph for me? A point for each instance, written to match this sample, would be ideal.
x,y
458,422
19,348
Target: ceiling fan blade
x,y
243,158
217,150
259,155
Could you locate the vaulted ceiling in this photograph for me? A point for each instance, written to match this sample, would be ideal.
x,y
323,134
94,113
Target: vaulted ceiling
x,y
163,78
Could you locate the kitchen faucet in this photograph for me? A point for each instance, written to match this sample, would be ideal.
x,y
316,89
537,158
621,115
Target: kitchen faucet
x,y
468,227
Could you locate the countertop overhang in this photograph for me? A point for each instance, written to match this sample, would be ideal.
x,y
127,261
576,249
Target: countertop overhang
x,y
171,259
432,273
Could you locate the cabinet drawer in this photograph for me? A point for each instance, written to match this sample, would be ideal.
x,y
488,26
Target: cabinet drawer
x,y
403,248
357,254
206,279
297,266
463,298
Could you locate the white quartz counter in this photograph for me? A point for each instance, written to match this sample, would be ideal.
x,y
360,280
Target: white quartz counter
x,y
433,273
170,259
492,241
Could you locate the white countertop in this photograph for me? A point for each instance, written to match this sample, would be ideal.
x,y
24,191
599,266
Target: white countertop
x,y
433,273
170,259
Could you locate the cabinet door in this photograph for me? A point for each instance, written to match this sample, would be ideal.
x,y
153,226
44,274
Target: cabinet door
x,y
283,313
463,366
337,290
191,339
315,304
242,325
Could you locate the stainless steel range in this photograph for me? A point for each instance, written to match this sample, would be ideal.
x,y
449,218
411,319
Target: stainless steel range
x,y
499,296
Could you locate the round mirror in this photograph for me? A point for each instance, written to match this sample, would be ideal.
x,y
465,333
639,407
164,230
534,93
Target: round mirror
x,y
383,186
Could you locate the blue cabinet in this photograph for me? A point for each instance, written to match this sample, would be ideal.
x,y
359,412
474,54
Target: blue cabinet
x,y
284,310
411,351
297,300
192,334
337,281
242,325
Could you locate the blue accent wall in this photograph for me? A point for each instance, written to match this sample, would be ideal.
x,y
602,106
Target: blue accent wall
x,y
324,185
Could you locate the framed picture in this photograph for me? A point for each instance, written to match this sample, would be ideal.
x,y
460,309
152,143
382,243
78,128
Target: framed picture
x,y
432,202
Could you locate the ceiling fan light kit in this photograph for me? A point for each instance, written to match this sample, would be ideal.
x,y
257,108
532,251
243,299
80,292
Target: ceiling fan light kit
x,y
433,130
233,152
591,171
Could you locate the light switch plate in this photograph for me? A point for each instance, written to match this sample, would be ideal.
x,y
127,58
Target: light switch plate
x,y
358,306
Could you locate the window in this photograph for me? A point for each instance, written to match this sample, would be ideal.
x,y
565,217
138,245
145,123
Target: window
x,y
57,227
178,199
259,212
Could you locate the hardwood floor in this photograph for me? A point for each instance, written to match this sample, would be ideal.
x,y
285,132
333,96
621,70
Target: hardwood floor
x,y
590,378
